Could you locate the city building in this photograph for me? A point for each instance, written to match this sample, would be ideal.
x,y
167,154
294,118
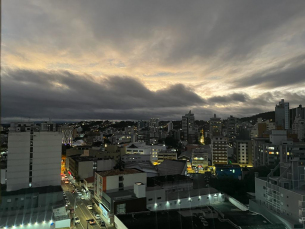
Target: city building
x,y
282,115
231,128
261,127
224,171
282,196
170,126
142,124
34,158
268,151
188,126
159,198
67,135
120,191
242,152
167,155
298,127
296,112
219,146
143,149
200,158
170,167
153,123
82,167
215,126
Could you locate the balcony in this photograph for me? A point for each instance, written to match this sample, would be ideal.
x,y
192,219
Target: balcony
x,y
301,204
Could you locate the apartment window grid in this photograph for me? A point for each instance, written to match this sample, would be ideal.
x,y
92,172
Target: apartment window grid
x,y
31,158
273,199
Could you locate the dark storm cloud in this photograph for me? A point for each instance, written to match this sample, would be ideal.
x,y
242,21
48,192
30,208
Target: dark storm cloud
x,y
168,32
286,73
60,94
231,98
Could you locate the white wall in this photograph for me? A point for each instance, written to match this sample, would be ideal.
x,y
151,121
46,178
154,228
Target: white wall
x,y
85,169
118,223
46,164
128,182
103,165
63,223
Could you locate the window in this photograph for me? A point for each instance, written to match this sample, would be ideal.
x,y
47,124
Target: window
x,y
150,199
159,198
31,149
9,200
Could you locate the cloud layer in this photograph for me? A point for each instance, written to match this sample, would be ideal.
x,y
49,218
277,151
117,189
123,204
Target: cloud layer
x,y
137,59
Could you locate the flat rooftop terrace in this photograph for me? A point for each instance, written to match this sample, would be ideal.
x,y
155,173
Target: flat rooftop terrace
x,y
171,219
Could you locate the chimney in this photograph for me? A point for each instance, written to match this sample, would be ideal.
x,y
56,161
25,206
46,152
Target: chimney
x,y
139,189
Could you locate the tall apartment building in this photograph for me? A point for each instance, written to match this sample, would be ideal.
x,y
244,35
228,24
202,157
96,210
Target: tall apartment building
x,y
170,126
296,112
67,135
242,152
282,115
34,158
268,151
153,123
219,147
298,127
188,125
231,128
282,196
215,126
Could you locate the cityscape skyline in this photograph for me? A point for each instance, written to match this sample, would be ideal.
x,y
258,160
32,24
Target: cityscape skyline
x,y
130,61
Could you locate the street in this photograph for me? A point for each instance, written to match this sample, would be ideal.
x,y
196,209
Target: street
x,y
81,209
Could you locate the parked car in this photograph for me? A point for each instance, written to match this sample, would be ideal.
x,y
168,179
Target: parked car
x,y
97,216
66,182
76,219
89,207
92,222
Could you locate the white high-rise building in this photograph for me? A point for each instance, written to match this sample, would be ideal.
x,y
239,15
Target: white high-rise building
x,y
170,126
298,127
282,115
34,157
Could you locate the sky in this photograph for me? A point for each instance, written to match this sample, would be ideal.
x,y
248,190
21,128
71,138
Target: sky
x,y
135,59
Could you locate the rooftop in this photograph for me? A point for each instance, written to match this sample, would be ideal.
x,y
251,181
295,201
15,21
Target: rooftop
x,y
191,193
115,172
171,167
40,190
90,179
227,166
171,219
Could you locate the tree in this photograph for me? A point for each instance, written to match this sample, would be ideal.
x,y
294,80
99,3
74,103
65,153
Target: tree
x,y
171,142
120,164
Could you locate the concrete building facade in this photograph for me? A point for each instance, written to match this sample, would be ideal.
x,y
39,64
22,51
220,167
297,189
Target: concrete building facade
x,y
34,158
219,146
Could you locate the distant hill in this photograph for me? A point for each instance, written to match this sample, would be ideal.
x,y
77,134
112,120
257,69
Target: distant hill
x,y
265,116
